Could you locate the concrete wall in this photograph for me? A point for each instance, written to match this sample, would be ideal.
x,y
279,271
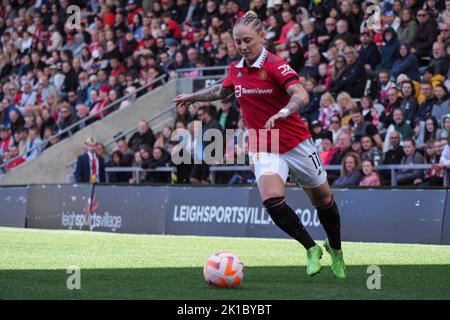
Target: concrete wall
x,y
51,165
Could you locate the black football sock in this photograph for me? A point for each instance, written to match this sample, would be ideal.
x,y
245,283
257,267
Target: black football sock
x,y
286,219
330,220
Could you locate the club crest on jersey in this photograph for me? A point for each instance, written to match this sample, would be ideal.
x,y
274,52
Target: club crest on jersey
x,y
262,74
285,69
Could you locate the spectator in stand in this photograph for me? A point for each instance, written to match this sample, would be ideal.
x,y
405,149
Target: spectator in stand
x,y
328,150
362,128
370,177
143,136
328,108
426,35
90,167
408,26
353,78
440,62
118,160
368,53
350,171
227,116
13,158
410,176
427,105
369,150
389,49
441,105
399,124
409,104
66,120
406,63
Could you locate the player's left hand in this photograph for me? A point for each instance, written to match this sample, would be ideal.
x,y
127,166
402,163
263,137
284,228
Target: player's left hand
x,y
274,120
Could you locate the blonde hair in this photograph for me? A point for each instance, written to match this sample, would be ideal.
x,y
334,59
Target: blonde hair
x,y
345,96
326,96
250,19
355,157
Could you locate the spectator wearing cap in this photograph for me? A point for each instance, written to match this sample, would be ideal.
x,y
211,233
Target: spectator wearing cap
x,y
406,63
426,34
90,167
227,116
368,53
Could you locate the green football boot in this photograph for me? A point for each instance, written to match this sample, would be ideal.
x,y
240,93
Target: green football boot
x,y
337,261
314,254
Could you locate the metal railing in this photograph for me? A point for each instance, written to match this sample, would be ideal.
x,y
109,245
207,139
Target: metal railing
x,y
69,129
393,168
137,171
181,73
130,131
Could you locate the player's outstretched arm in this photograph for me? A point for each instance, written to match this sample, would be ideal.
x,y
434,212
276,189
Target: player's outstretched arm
x,y
299,99
213,93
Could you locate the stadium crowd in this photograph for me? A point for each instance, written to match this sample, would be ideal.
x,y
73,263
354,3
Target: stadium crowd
x,y
377,95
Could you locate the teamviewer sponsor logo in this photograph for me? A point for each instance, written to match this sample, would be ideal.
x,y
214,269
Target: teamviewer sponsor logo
x,y
239,91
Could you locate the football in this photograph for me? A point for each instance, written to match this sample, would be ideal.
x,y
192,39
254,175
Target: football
x,y
223,270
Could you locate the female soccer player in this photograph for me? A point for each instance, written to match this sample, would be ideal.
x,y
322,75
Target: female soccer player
x,y
270,96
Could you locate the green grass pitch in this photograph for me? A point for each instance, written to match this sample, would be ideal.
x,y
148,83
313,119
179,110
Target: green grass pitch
x,y
33,265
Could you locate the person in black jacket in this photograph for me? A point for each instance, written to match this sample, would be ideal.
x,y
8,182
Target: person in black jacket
x,y
118,160
353,78
70,81
144,136
90,167
227,116
368,54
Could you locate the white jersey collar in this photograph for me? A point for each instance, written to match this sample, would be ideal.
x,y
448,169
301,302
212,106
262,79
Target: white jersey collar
x,y
258,63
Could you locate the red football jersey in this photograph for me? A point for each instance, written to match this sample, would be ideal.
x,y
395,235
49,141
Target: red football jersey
x,y
261,93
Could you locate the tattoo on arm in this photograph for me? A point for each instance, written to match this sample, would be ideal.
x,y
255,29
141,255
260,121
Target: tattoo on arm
x,y
296,102
215,92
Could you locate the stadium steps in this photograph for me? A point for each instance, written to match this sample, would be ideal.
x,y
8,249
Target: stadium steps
x,y
51,166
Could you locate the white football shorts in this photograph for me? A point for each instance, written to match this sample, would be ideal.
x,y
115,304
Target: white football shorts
x,y
303,162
